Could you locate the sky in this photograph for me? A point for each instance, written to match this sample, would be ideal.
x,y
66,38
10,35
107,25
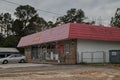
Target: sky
x,y
100,11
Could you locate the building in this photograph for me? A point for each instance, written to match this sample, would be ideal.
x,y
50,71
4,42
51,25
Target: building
x,y
72,43
7,51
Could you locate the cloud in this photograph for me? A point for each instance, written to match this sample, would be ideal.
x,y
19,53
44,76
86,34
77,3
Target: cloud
x,y
93,9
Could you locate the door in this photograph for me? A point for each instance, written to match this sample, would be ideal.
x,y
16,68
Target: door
x,y
114,56
61,52
61,48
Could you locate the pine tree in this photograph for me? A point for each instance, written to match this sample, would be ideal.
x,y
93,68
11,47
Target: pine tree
x,y
115,21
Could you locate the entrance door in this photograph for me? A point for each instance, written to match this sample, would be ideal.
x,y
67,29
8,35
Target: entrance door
x,y
114,56
61,50
62,55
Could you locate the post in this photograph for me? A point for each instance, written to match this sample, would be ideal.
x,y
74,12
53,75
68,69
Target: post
x,y
92,56
104,57
81,57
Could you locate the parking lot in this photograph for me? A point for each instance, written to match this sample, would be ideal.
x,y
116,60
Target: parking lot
x,y
31,71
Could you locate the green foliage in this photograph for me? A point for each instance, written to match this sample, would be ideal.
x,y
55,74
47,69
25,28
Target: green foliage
x,y
36,24
1,39
6,23
50,24
73,16
18,28
25,12
27,21
115,21
10,41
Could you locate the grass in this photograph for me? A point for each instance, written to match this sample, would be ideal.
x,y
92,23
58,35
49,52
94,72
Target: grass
x,y
100,64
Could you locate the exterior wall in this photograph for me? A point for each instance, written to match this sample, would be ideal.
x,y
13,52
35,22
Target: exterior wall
x,y
28,52
93,46
71,56
65,58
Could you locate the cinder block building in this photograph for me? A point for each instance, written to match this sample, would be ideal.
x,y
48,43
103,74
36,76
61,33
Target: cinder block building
x,y
73,43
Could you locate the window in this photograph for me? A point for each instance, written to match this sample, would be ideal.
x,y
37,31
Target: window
x,y
18,55
2,56
67,48
12,56
114,53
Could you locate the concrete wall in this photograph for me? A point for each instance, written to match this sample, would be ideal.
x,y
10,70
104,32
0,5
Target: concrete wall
x,y
93,46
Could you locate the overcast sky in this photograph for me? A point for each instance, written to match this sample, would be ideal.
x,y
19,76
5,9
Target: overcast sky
x,y
98,10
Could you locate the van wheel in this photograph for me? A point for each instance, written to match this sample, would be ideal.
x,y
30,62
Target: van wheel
x,y
22,61
5,62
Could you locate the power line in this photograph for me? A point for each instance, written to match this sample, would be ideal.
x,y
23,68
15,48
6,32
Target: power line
x,y
49,12
37,9
10,2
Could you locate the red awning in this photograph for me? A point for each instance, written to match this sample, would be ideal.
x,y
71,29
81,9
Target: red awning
x,y
72,31
54,34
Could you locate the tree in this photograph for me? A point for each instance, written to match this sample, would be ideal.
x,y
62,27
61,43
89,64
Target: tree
x,y
10,41
6,23
73,15
18,28
115,21
1,39
39,24
23,13
27,21
52,24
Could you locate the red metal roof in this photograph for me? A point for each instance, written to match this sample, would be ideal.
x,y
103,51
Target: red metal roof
x,y
93,32
72,31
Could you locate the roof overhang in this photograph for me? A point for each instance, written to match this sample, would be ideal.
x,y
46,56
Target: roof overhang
x,y
8,50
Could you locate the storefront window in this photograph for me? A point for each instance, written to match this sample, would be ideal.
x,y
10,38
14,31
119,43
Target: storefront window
x,y
67,48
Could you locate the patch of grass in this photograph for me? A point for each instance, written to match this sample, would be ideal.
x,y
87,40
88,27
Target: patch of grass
x,y
99,64
95,64
109,65
83,63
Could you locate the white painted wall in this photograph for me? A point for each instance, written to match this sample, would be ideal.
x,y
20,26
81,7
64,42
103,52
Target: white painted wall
x,y
93,46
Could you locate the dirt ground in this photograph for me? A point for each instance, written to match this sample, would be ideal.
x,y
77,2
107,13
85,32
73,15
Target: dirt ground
x,y
59,72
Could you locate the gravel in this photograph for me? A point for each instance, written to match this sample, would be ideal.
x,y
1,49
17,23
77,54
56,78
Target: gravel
x,y
59,72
